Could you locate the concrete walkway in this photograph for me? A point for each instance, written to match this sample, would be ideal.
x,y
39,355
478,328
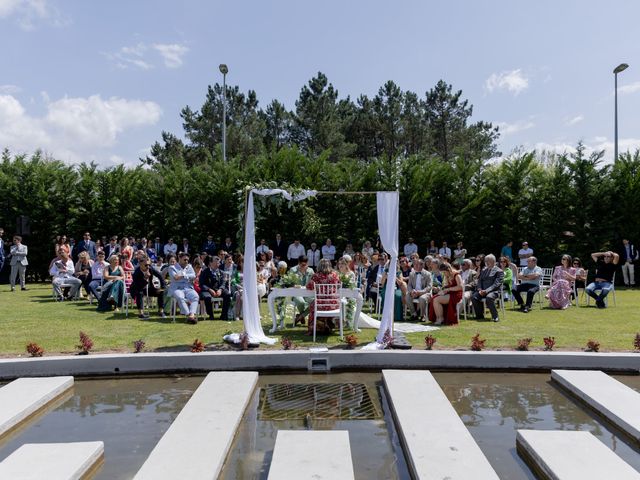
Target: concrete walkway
x,y
312,455
437,444
562,455
23,397
53,461
612,399
197,442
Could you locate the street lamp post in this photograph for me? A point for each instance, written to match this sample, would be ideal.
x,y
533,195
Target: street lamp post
x,y
616,71
224,70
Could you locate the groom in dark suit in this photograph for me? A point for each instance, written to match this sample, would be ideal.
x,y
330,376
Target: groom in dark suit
x,y
488,289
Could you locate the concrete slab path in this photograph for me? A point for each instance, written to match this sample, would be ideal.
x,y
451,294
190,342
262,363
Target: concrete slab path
x,y
436,442
329,459
565,455
53,461
25,396
611,398
197,442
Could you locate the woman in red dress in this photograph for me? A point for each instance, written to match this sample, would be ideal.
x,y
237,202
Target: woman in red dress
x,y
324,275
448,297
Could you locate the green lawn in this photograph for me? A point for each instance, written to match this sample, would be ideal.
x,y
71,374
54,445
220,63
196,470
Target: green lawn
x,y
33,316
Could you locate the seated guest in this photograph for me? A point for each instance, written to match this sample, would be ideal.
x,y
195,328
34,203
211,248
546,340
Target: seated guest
x,y
295,251
304,272
209,247
450,295
170,247
112,287
410,247
151,252
445,252
418,288
212,286
564,275
346,274
182,276
62,270
97,275
82,270
349,250
478,263
61,242
360,267
127,267
469,278
529,282
488,289
405,267
458,254
143,285
605,269
228,271
507,281
236,288
432,249
196,263
399,289
367,250
375,274
436,275
263,278
581,273
139,255
324,275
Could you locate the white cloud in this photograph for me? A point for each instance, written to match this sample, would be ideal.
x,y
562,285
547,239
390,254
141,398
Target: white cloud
x,y
9,89
631,88
511,128
593,145
171,53
73,129
573,121
29,13
514,81
138,55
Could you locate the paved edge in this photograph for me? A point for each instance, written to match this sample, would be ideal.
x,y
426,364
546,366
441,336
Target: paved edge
x,y
568,455
25,397
197,442
567,380
293,457
53,461
436,442
146,363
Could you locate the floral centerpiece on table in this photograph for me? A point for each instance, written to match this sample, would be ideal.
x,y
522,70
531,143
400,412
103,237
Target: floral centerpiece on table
x,y
347,281
288,280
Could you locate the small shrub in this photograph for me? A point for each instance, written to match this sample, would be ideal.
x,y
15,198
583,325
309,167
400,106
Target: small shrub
x,y
244,341
593,346
287,343
197,346
351,340
636,342
549,343
477,343
86,344
429,340
138,346
523,344
34,349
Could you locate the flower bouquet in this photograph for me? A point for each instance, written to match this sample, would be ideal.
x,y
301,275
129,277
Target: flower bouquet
x,y
288,280
347,281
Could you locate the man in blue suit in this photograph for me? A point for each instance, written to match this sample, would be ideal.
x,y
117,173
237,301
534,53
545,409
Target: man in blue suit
x,y
85,245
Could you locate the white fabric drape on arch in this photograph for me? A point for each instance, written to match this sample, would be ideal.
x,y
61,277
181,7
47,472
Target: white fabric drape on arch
x,y
250,304
388,210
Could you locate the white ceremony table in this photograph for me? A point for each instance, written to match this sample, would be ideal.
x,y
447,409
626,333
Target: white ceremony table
x,y
305,292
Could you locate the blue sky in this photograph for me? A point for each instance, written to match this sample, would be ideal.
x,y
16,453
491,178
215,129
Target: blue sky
x,y
99,81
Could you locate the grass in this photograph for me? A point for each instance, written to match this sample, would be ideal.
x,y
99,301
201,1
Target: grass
x,y
33,316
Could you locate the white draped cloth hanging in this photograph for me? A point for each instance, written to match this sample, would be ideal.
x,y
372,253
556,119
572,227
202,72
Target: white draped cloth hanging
x,y
387,206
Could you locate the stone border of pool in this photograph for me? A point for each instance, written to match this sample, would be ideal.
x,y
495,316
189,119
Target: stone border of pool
x,y
186,362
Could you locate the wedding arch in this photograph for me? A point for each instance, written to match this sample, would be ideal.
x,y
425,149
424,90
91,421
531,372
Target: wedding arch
x,y
387,208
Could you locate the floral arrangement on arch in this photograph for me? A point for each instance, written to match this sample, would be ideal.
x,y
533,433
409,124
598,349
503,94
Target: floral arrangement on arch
x,y
288,280
347,281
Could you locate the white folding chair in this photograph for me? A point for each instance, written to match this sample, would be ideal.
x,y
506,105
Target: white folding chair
x,y
327,297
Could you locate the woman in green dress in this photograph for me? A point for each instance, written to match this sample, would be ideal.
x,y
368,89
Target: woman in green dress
x,y
113,287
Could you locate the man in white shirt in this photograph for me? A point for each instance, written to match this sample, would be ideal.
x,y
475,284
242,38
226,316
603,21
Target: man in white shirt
x,y
313,255
62,270
445,252
329,251
410,247
182,276
97,271
418,288
524,253
295,251
262,248
170,247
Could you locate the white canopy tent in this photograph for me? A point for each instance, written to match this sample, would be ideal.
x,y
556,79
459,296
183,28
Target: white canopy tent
x,y
388,210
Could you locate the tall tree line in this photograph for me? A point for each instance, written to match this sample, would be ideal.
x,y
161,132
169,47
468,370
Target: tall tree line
x,y
425,146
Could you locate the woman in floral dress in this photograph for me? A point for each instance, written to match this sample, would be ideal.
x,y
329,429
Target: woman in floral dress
x,y
562,284
324,275
348,279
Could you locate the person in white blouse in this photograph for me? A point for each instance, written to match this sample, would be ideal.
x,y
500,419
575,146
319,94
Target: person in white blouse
x,y
62,270
329,251
182,276
295,251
